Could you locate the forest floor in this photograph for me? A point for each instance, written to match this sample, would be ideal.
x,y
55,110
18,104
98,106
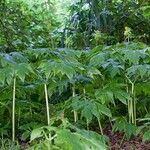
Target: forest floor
x,y
118,142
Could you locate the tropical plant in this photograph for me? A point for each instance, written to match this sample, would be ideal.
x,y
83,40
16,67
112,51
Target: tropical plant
x,y
67,79
62,138
10,71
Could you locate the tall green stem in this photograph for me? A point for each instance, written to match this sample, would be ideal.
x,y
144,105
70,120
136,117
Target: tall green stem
x,y
13,109
132,104
127,90
100,126
87,121
75,113
47,105
132,111
135,111
87,124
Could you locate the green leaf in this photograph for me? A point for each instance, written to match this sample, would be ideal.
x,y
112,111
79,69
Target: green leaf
x,y
25,135
10,76
98,59
134,56
36,133
146,136
103,109
139,70
146,10
82,140
22,70
86,111
122,96
104,95
2,76
93,71
123,126
141,88
67,70
130,130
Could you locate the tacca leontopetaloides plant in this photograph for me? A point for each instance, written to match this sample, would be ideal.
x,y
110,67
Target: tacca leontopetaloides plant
x,y
88,107
14,67
61,64
137,71
124,62
62,138
133,58
117,62
40,56
72,58
55,69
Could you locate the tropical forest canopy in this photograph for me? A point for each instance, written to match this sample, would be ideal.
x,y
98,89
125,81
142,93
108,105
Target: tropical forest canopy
x,y
74,74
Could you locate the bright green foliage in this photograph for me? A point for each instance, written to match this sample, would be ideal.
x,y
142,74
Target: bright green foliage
x,y
147,136
128,129
89,108
95,22
65,139
23,25
14,65
112,91
106,80
48,59
50,68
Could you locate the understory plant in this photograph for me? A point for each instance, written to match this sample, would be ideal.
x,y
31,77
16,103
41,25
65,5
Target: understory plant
x,y
62,138
12,70
98,86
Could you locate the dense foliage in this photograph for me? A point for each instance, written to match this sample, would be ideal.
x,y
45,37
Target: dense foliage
x,y
64,80
95,22
22,27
